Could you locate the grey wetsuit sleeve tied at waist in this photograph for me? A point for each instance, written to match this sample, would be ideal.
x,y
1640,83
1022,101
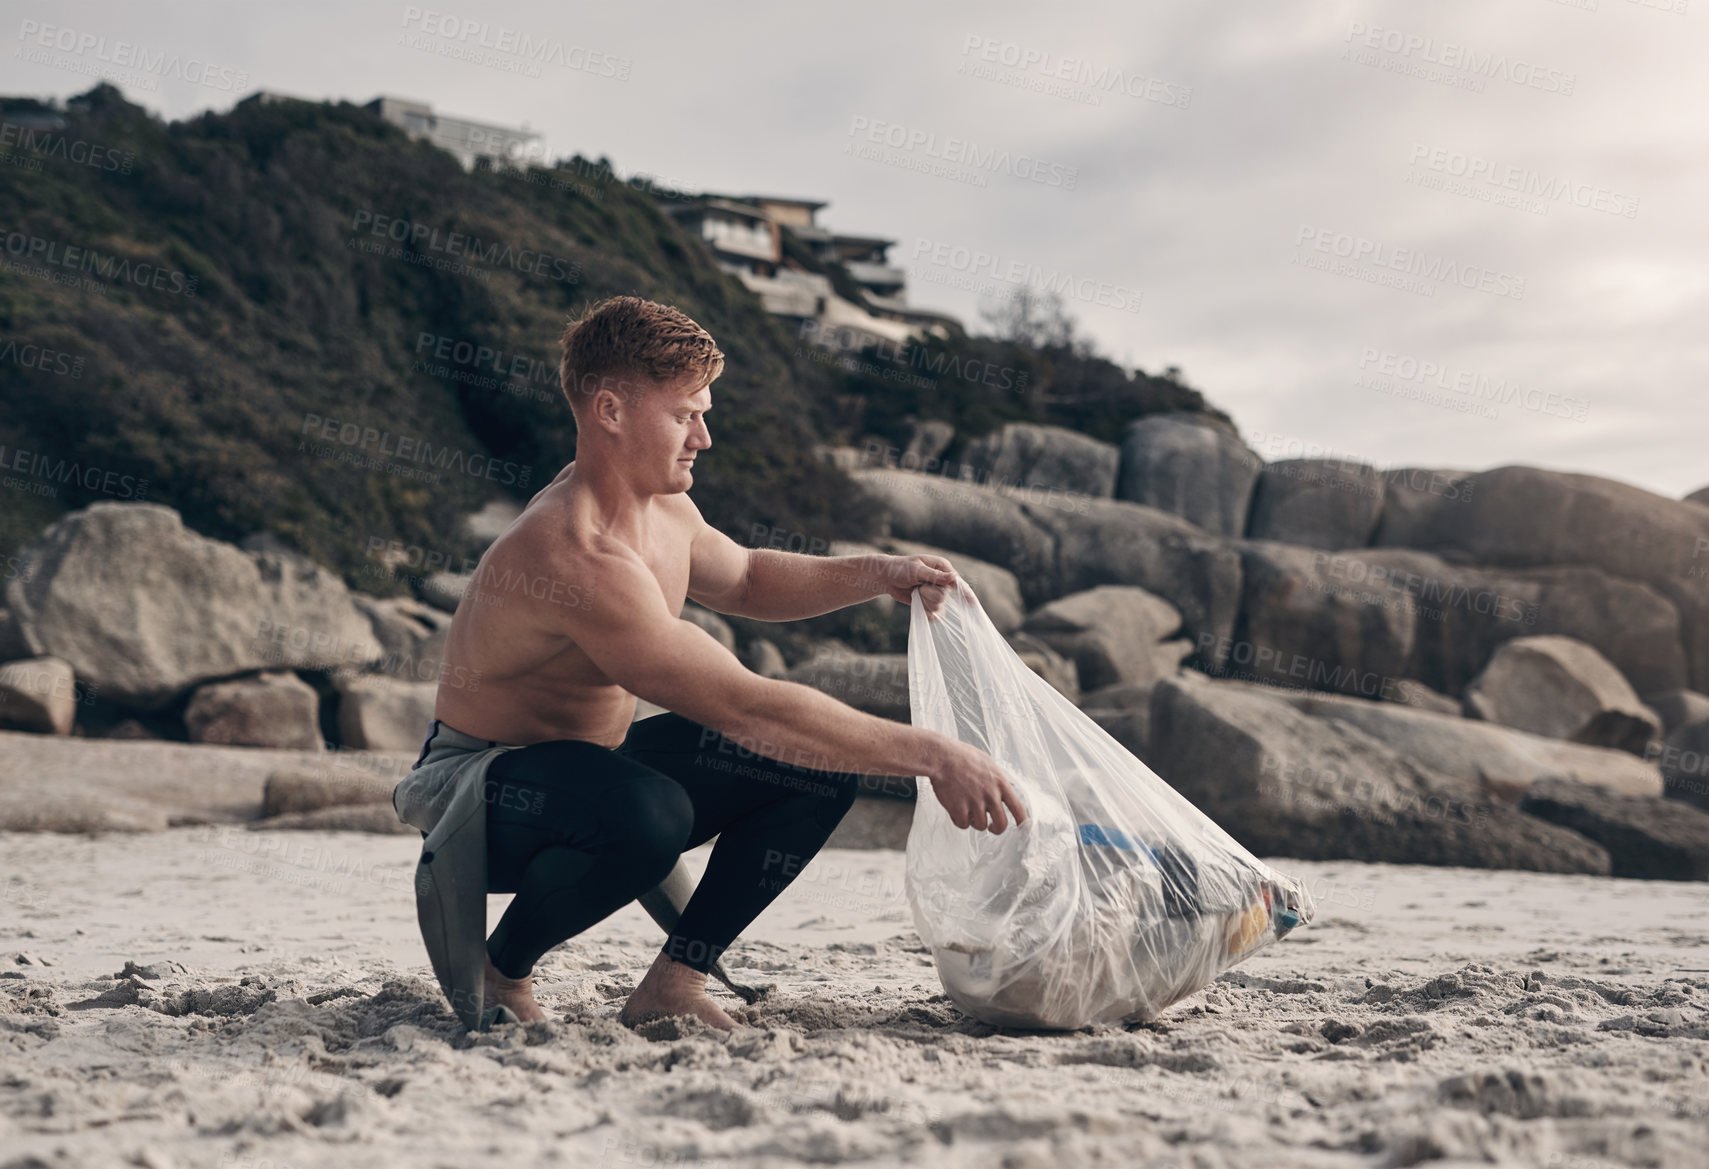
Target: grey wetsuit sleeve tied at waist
x,y
445,798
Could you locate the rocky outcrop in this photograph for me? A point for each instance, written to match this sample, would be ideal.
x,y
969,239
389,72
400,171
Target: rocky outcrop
x,y
1317,503
928,439
962,517
273,709
712,623
1192,466
1124,711
1041,658
1418,696
12,643
56,813
1677,707
1413,494
152,782
1051,458
1648,838
1525,516
875,683
1286,784
1360,622
38,694
379,819
1684,761
764,658
444,590
411,636
1563,689
1103,541
1113,633
490,522
1066,544
384,714
144,609
302,789
1503,762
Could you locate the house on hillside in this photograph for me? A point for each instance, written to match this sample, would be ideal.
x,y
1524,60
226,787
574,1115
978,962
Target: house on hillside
x,y
746,235
477,145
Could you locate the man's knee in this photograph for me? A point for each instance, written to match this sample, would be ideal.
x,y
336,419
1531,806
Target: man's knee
x,y
655,817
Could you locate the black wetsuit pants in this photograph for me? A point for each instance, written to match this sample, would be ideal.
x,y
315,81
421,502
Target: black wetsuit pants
x,y
577,831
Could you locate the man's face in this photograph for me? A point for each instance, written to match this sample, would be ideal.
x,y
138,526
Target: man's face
x,y
665,428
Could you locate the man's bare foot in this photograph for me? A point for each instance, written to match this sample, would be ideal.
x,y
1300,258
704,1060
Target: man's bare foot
x,y
515,993
670,988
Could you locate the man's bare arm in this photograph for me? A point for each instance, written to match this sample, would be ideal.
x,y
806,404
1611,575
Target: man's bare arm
x,y
769,585
787,586
636,641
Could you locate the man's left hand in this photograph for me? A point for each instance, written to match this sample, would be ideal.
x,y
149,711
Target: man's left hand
x,y
933,574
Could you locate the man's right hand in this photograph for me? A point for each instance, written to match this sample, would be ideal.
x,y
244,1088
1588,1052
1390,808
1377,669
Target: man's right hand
x,y
974,790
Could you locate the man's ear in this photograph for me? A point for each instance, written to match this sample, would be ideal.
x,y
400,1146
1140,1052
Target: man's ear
x,y
608,408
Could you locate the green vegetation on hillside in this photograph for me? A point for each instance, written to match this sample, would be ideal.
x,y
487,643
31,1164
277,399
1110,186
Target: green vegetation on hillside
x,y
291,318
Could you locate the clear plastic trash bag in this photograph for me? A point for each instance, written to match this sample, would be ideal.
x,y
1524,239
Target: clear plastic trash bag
x,y
1116,898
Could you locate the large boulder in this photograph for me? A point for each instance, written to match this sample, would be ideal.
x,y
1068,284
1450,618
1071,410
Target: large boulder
x,y
1106,541
1677,707
1360,622
928,439
303,789
1045,458
712,623
1415,694
144,609
998,591
1412,494
965,518
379,819
1504,762
490,522
411,636
1526,516
1648,838
444,590
273,709
38,694
1684,761
1067,544
764,658
1042,658
384,714
1564,689
1123,710
1286,784
1192,466
12,643
1113,633
1320,503
875,683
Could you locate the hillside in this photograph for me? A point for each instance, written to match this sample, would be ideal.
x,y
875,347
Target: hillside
x,y
271,320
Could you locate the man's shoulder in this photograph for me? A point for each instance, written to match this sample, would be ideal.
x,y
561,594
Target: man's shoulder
x,y
679,506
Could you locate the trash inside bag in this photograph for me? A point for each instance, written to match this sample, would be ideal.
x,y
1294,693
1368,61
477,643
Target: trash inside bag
x,y
1117,896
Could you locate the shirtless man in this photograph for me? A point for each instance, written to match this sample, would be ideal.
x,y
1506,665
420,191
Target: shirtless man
x,y
573,613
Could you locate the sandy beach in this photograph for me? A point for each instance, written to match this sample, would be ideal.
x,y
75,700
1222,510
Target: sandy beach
x,y
214,996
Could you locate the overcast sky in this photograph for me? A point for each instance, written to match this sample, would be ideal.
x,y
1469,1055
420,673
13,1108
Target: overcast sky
x,y
1295,198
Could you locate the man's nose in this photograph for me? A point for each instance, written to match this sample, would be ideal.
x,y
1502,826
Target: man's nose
x,y
700,438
